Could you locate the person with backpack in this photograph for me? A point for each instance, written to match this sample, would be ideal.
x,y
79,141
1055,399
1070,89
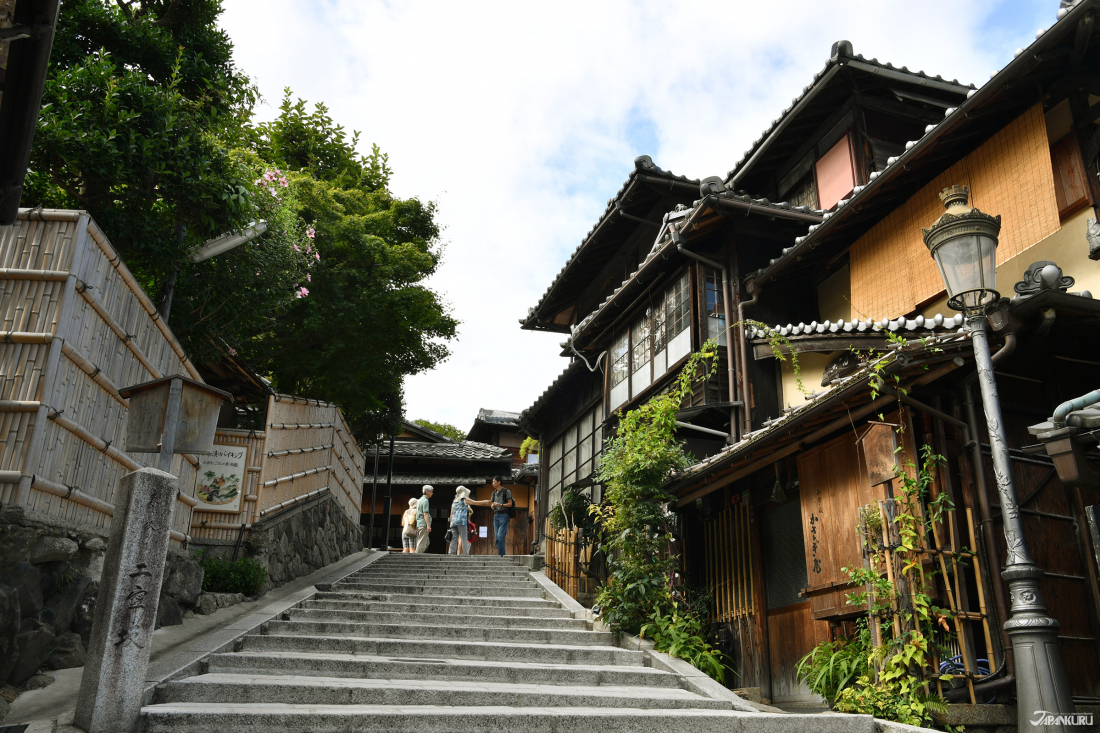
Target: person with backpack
x,y
504,508
408,528
460,517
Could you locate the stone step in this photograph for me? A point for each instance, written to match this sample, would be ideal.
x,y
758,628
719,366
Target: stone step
x,y
404,559
230,718
446,600
423,582
303,690
349,623
434,573
436,615
348,601
283,636
365,666
530,591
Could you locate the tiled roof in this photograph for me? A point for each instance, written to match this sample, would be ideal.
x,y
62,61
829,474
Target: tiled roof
x,y
898,165
937,322
417,480
842,53
468,449
666,241
643,164
814,402
498,417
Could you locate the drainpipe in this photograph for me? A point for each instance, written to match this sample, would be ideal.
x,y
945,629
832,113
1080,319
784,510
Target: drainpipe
x,y
1000,594
729,324
746,415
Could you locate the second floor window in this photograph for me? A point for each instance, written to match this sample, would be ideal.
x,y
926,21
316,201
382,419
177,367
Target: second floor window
x,y
716,307
656,340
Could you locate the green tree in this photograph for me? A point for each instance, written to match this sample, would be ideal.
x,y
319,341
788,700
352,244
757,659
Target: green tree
x,y
139,101
443,428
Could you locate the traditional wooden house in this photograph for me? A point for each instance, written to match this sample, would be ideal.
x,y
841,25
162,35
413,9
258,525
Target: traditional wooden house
x,y
769,517
422,456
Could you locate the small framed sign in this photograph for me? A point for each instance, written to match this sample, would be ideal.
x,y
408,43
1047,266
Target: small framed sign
x,y
483,532
221,479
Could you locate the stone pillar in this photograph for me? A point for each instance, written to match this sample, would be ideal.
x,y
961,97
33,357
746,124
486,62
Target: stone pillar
x,y
126,610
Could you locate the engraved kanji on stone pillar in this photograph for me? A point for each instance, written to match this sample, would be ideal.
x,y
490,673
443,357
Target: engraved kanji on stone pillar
x,y
126,611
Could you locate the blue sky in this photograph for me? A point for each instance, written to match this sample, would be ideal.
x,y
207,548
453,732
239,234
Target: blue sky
x,y
522,119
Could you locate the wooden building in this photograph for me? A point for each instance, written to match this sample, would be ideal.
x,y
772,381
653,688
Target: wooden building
x,y
818,228
422,456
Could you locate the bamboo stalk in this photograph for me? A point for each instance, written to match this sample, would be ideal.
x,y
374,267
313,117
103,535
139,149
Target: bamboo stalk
x,y
126,338
72,494
296,476
19,405
299,426
98,443
85,365
889,567
981,591
26,337
115,261
11,273
960,632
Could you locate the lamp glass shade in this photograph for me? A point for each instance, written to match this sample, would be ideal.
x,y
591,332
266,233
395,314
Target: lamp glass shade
x,y
968,264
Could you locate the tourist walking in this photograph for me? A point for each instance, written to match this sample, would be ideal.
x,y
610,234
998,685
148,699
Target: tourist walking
x,y
408,528
504,507
424,520
460,516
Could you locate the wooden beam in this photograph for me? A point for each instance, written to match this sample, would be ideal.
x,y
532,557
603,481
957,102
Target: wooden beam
x,y
1081,40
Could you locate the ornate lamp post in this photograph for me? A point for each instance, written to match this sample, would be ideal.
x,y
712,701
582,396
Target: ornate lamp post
x,y
963,242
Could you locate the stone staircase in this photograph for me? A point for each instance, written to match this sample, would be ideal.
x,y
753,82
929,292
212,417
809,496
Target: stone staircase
x,y
440,643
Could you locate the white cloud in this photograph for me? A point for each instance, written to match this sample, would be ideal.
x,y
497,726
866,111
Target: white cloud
x,y
516,118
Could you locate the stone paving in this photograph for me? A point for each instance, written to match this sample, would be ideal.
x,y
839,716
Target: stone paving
x,y
443,643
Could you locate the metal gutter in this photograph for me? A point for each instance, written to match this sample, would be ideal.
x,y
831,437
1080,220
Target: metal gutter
x,y
772,210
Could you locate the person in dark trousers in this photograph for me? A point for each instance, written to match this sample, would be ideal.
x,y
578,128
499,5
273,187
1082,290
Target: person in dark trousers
x,y
503,503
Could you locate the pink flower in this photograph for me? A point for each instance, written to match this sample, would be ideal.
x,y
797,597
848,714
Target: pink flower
x,y
317,255
232,351
308,278
283,182
303,292
296,248
311,233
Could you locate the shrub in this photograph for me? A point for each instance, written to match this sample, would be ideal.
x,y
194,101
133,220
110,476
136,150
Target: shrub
x,y
680,633
572,512
226,576
833,666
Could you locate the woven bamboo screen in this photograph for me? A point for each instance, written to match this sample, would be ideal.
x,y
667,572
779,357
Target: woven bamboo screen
x,y
74,327
309,447
729,562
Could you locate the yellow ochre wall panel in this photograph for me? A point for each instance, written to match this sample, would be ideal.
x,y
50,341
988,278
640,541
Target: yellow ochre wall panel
x,y
1010,174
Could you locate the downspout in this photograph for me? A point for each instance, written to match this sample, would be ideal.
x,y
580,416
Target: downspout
x,y
729,324
1000,594
746,414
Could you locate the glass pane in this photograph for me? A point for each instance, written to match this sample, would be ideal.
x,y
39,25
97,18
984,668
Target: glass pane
x,y
679,306
657,326
639,338
569,465
620,359
555,476
961,262
555,451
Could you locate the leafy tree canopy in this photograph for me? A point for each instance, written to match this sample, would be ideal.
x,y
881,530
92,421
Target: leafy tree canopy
x,y
443,428
147,124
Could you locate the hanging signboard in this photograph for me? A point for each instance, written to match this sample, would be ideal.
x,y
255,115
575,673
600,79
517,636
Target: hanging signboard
x,y
221,479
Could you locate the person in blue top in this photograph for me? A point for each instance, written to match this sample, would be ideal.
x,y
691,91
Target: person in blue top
x,y
460,515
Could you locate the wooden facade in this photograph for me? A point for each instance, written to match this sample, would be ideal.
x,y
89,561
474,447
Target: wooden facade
x,y
819,229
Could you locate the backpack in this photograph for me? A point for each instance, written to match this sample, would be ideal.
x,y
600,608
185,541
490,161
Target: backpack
x,y
511,509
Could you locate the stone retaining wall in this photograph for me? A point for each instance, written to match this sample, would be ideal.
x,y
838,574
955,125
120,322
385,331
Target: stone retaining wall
x,y
295,541
49,577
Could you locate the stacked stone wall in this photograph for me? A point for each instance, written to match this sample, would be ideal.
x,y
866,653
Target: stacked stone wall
x,y
295,541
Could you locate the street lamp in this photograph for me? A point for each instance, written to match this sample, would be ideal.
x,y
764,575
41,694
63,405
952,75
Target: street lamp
x,y
963,242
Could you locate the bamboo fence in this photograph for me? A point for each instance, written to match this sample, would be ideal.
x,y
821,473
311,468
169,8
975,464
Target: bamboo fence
x,y
566,551
74,327
305,449
729,563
